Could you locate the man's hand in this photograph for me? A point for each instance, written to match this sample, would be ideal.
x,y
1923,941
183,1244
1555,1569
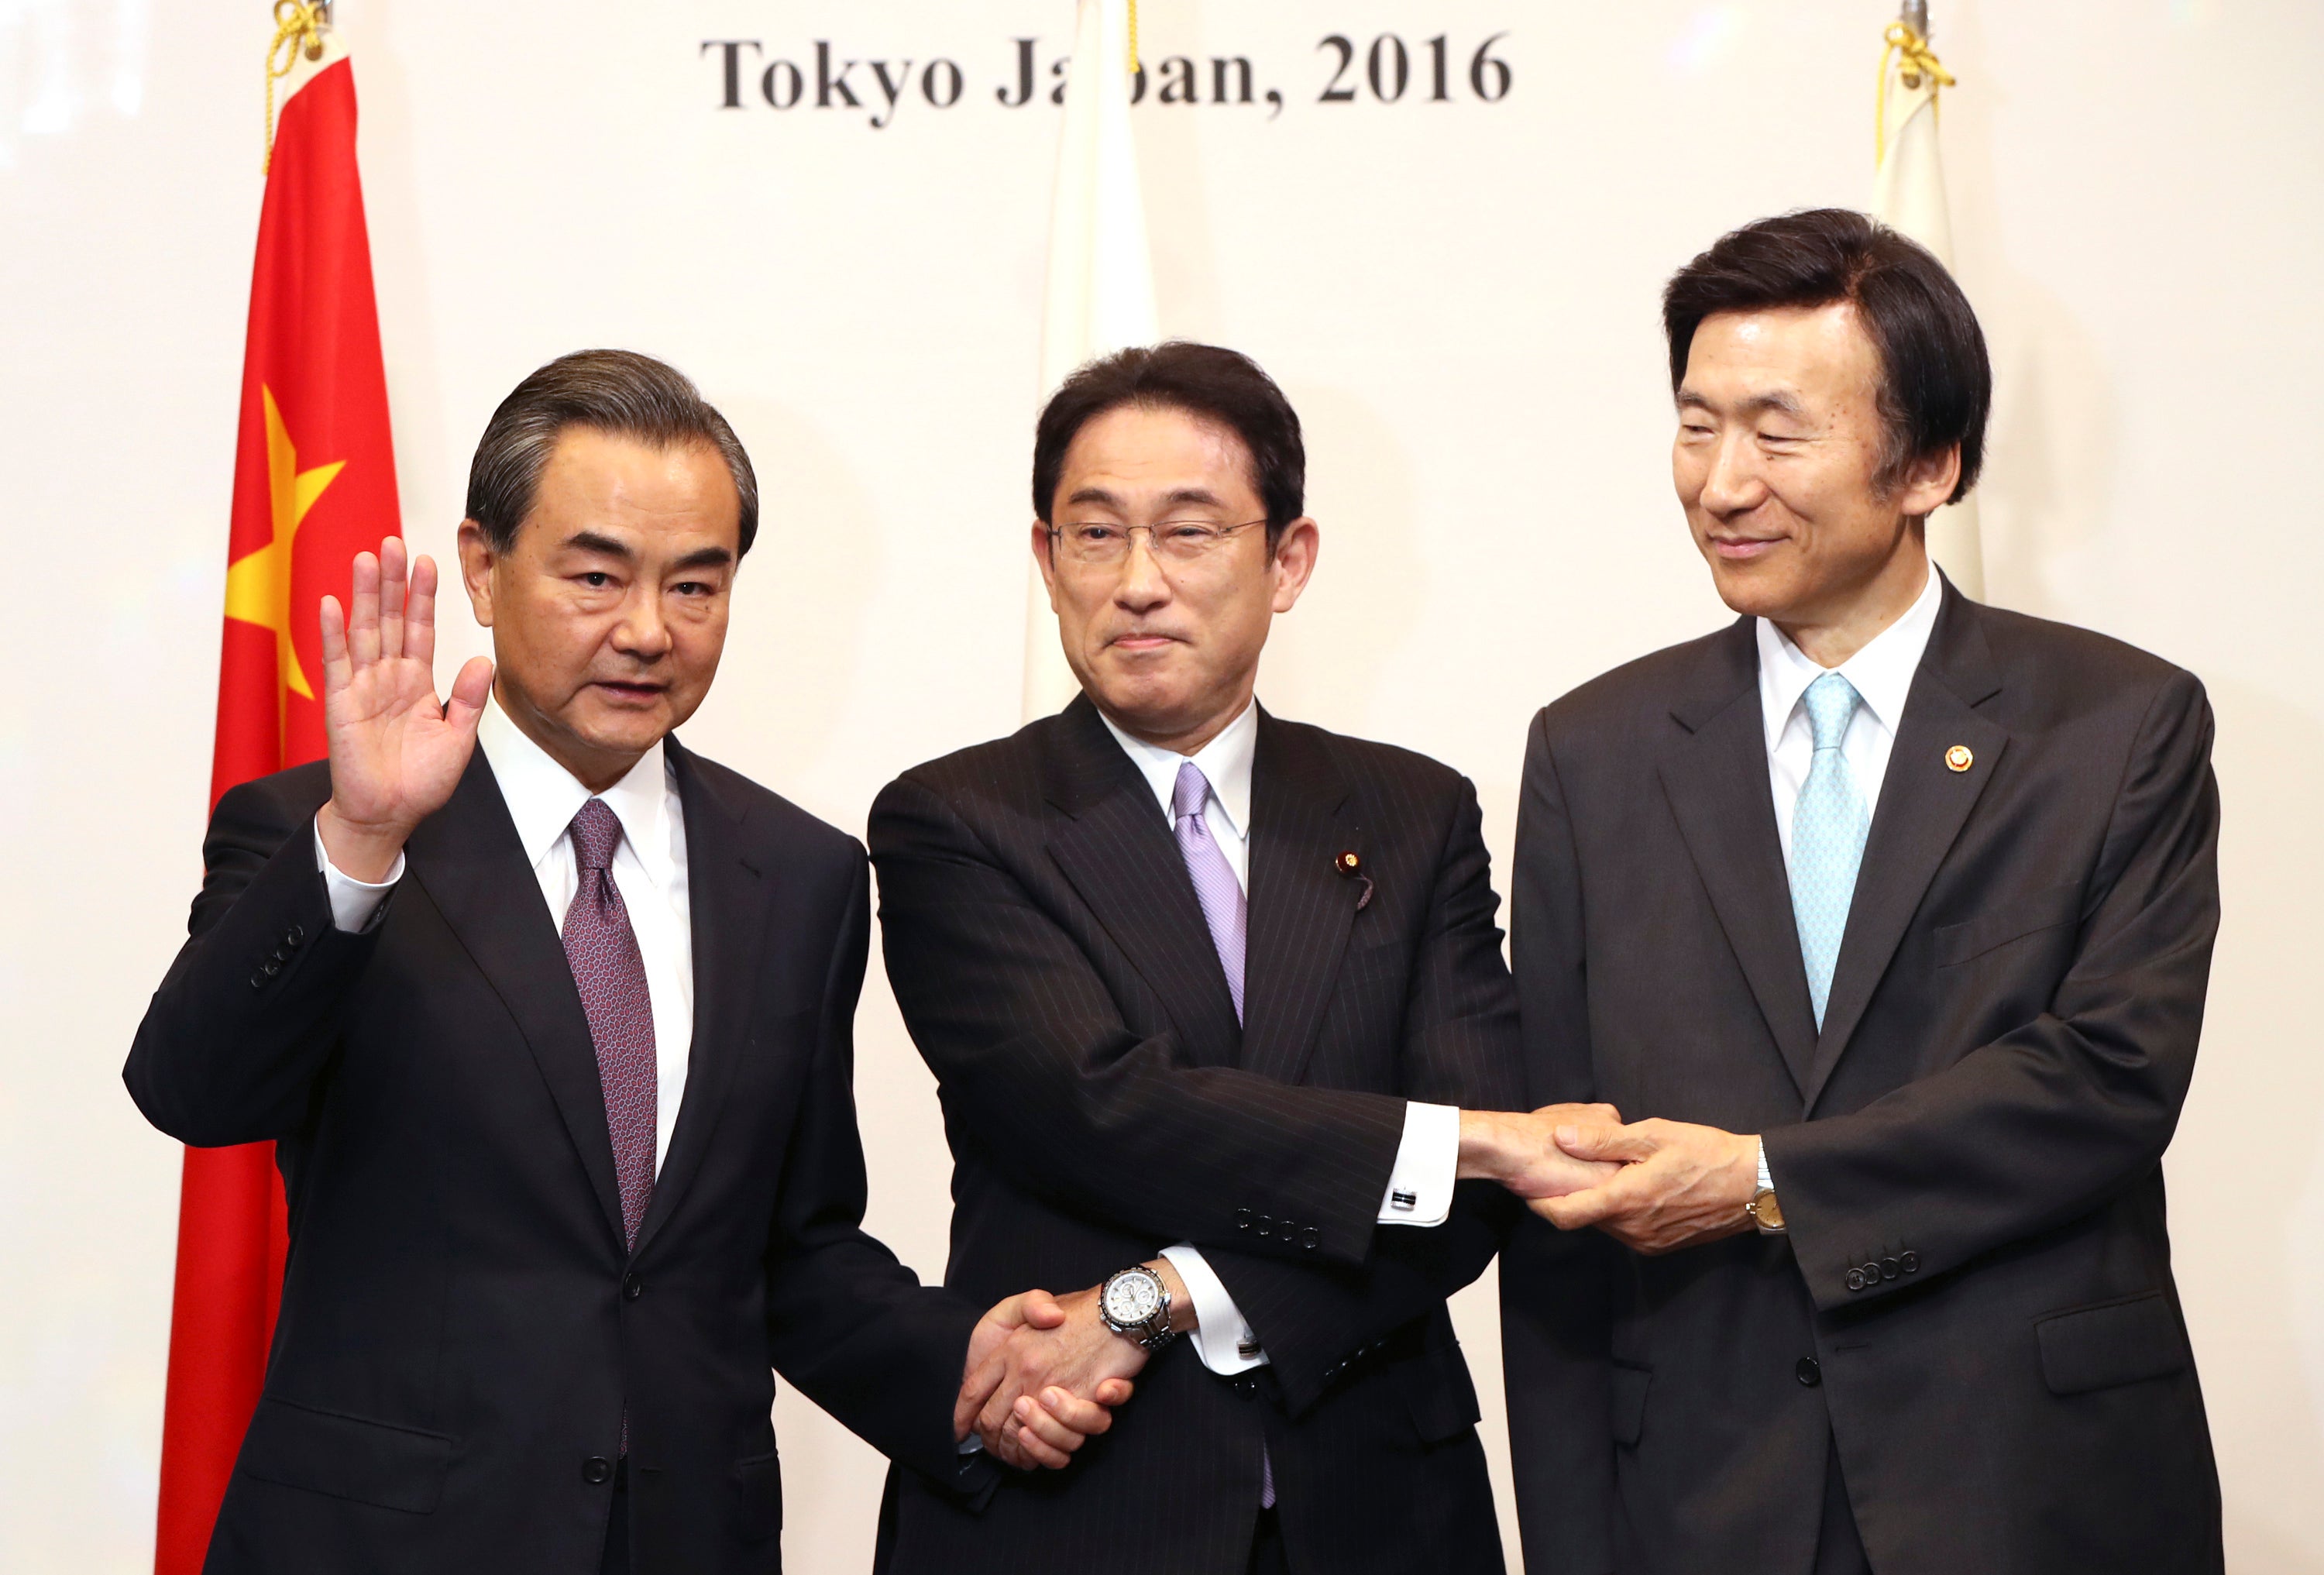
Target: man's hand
x,y
1521,1151
1680,1184
1043,1374
396,754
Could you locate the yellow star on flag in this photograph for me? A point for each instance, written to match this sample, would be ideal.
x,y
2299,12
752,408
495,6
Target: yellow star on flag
x,y
258,583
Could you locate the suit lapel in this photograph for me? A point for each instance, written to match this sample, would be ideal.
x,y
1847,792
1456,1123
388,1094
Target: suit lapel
x,y
1115,846
726,904
1301,908
1716,780
467,857
1923,803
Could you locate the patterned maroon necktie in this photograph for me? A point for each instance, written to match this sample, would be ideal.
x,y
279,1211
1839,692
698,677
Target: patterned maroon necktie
x,y
602,950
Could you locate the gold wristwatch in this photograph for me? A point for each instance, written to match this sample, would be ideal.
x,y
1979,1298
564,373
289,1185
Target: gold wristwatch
x,y
1765,1212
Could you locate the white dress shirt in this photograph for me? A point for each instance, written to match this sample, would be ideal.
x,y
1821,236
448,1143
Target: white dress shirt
x,y
1882,674
1427,1158
649,869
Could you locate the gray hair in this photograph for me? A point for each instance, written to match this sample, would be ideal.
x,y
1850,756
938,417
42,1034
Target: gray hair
x,y
615,391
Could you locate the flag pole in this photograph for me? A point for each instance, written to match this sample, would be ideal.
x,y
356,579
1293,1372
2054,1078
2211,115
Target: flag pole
x,y
1909,196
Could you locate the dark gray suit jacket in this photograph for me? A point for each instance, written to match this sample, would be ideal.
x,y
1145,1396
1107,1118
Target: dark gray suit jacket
x,y
1045,943
1975,1300
462,1331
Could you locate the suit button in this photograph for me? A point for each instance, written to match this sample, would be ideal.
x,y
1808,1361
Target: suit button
x,y
1871,1272
1910,1263
1242,1219
258,982
1265,1225
1889,1269
1856,1279
596,1471
1312,1237
294,937
1808,1371
633,1287
270,968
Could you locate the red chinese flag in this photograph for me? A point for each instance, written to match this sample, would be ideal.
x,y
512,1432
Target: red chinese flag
x,y
314,483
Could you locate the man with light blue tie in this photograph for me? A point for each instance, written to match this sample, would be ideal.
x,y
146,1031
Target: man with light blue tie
x,y
1885,918
1206,993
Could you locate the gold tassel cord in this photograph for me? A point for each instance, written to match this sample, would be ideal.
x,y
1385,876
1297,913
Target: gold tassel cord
x,y
299,27
1133,37
1919,60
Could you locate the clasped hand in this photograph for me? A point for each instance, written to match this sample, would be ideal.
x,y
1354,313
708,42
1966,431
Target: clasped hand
x,y
1043,1376
1655,1186
1678,1185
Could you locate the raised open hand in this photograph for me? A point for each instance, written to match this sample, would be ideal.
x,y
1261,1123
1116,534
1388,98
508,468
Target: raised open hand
x,y
396,751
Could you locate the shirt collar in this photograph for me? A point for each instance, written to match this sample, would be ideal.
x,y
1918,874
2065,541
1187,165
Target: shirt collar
x,y
543,796
1881,673
1226,761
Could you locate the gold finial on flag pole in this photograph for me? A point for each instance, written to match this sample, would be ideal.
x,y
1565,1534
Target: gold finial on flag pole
x,y
1919,60
1133,37
299,28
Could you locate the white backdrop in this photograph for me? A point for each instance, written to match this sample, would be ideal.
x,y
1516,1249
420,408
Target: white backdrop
x,y
1460,297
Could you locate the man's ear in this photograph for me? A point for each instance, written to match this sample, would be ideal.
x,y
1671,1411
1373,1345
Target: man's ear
x,y
1044,559
1928,482
477,558
1295,560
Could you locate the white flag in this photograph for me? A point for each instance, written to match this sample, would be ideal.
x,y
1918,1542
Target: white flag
x,y
1099,296
1908,195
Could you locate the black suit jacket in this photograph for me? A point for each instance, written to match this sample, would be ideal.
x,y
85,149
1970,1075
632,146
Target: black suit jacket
x,y
1046,945
461,1328
1975,1300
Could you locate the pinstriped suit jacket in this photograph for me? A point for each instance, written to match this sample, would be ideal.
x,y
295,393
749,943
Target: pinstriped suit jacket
x,y
1046,945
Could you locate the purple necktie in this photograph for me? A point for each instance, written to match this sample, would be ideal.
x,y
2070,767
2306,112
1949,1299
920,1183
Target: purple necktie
x,y
602,950
1228,914
1215,886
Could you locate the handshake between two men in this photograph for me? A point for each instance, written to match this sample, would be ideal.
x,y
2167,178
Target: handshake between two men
x,y
1045,1372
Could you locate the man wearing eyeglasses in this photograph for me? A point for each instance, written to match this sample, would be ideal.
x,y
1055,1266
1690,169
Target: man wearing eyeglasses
x,y
1206,991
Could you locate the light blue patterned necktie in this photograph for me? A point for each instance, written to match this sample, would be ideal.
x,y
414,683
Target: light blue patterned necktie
x,y
1829,826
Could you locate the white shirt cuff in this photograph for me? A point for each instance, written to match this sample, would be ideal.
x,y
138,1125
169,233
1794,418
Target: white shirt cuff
x,y
354,902
1226,1344
1427,1162
1766,1177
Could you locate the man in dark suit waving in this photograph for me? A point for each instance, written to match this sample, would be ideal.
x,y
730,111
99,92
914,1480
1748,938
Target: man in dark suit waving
x,y
1891,915
1205,990
550,1020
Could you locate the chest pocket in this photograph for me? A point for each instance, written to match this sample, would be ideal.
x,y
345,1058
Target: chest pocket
x,y
2046,910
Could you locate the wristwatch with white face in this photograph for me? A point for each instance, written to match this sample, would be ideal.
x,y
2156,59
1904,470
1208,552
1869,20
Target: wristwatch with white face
x,y
1136,1304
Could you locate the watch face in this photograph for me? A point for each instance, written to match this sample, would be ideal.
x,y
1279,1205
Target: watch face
x,y
1132,1298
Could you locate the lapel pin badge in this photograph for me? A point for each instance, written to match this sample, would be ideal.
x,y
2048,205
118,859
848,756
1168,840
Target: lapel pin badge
x,y
1349,865
1959,758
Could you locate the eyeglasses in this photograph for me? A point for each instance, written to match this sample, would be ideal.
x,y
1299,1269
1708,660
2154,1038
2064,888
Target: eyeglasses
x,y
1182,542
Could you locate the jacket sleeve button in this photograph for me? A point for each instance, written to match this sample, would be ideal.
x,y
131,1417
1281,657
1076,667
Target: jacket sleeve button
x,y
1242,1219
294,937
1909,1262
1856,1279
1312,1237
